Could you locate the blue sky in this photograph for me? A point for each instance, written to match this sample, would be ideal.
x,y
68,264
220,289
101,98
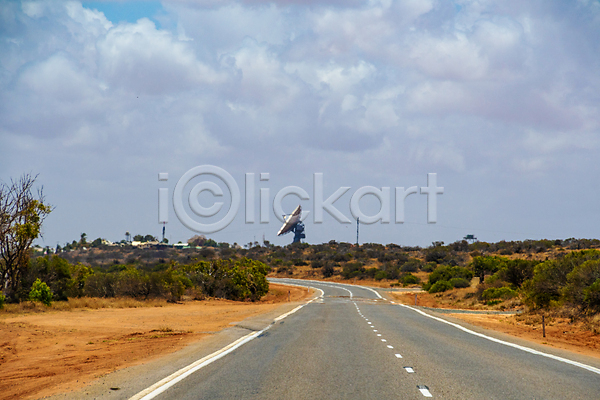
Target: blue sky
x,y
128,11
499,99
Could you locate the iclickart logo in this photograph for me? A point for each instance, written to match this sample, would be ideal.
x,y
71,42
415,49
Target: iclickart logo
x,y
187,192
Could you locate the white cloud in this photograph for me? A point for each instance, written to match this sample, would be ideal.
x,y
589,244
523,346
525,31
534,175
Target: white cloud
x,y
377,88
141,58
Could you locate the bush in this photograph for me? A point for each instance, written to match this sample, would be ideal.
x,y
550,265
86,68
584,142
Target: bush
x,y
379,275
460,283
242,279
591,296
409,279
411,265
579,280
503,293
445,273
352,270
2,300
440,286
429,267
100,284
54,271
436,254
328,270
482,265
553,279
40,292
517,271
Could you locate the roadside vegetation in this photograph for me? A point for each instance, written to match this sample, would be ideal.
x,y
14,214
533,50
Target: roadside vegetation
x,y
558,278
549,277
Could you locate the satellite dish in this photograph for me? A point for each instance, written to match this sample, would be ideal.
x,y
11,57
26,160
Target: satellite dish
x,y
292,223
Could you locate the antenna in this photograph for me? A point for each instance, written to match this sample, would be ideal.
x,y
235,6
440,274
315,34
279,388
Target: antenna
x,y
293,223
357,220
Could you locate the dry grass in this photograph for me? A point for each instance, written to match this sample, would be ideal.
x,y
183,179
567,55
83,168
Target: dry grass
x,y
79,303
562,315
593,324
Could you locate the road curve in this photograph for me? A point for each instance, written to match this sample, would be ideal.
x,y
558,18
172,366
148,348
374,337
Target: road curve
x,y
352,344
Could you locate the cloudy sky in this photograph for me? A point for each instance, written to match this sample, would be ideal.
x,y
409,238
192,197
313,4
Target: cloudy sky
x,y
500,99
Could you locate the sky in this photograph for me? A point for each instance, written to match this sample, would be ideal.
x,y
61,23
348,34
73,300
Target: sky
x,y
501,100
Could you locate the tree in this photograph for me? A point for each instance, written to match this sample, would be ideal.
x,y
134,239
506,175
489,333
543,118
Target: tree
x,y
21,218
197,240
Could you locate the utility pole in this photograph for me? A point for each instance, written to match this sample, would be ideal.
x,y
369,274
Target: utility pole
x,y
357,220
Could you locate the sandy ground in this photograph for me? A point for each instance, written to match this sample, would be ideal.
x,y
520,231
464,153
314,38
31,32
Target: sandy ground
x,y
52,352
560,333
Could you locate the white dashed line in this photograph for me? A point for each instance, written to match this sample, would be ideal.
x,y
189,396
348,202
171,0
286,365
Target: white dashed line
x,y
398,355
424,391
383,340
379,334
390,347
409,370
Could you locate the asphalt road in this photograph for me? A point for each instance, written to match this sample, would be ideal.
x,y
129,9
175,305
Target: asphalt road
x,y
351,344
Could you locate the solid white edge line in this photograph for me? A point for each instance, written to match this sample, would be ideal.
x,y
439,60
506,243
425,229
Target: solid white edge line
x,y
165,383
516,346
337,285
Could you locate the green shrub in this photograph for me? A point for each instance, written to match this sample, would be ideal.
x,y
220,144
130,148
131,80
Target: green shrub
x,y
579,280
562,279
409,279
503,293
445,273
242,279
440,286
2,300
40,292
591,295
517,271
379,275
482,265
460,282
370,272
412,265
429,267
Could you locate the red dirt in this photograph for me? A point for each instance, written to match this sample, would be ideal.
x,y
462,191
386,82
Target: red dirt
x,y
58,351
